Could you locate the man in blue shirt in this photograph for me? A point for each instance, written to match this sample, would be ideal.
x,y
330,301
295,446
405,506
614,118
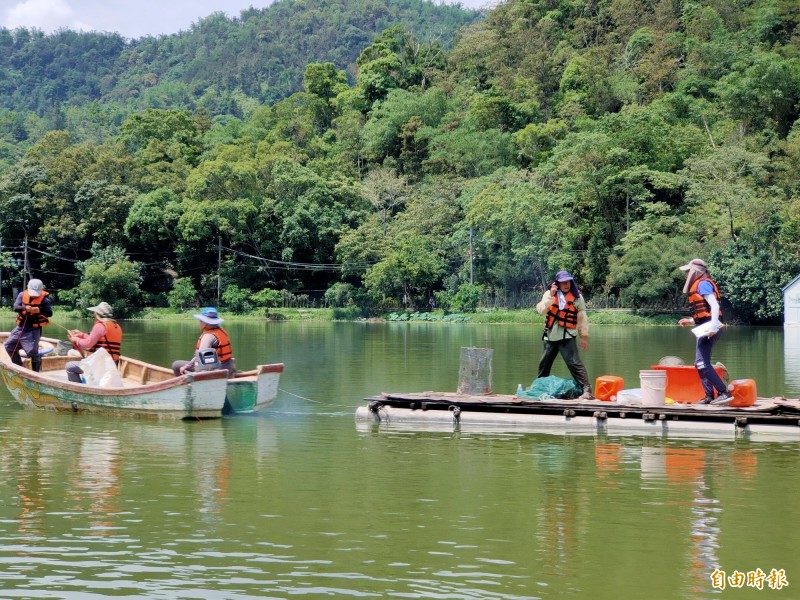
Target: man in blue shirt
x,y
704,300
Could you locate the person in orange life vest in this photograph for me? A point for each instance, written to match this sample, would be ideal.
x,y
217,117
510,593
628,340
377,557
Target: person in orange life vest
x,y
33,308
213,336
704,301
106,333
565,320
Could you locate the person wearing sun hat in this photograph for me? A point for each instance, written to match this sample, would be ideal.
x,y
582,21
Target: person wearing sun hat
x,y
565,321
106,333
212,336
704,300
33,308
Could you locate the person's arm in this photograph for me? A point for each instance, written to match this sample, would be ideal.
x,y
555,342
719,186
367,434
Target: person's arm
x,y
206,341
46,307
209,340
83,341
714,305
544,304
18,305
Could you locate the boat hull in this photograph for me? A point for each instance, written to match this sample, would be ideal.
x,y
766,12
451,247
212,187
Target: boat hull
x,y
252,391
149,390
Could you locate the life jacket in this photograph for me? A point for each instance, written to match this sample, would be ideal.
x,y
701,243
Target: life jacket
x,y
24,318
111,341
701,310
224,350
567,318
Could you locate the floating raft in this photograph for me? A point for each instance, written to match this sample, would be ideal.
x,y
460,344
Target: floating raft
x,y
768,417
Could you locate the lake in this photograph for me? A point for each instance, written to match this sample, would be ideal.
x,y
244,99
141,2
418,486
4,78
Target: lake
x,y
300,501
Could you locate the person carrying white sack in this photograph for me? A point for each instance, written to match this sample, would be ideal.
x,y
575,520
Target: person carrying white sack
x,y
704,300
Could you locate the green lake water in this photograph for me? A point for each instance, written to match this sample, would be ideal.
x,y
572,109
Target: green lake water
x,y
301,501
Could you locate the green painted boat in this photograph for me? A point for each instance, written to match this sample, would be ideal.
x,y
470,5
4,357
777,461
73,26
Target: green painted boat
x,y
251,391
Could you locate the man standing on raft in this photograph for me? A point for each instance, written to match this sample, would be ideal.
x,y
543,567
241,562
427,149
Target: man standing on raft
x,y
565,319
704,301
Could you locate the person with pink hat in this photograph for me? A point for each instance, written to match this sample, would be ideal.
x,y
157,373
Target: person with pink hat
x,y
704,300
565,321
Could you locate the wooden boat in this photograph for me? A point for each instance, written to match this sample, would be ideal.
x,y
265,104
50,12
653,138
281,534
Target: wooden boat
x,y
250,391
148,390
768,418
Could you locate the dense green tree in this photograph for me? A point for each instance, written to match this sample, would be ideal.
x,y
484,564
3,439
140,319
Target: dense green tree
x,y
107,276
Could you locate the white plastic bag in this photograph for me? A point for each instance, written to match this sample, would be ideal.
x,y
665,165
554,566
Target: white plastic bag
x,y
99,369
706,329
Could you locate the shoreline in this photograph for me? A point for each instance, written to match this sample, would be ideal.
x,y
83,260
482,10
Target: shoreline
x,y
527,316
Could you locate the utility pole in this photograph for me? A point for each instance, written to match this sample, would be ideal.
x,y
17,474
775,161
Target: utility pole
x,y
471,256
25,273
219,266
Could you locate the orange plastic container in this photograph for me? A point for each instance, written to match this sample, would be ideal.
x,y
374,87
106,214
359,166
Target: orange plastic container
x,y
744,392
683,383
607,386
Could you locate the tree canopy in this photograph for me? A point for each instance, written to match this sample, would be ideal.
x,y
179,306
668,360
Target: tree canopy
x,y
614,139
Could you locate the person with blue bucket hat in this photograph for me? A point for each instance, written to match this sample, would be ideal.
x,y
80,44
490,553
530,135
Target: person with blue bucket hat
x,y
565,322
212,337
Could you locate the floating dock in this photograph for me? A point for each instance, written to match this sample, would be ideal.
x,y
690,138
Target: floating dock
x,y
768,418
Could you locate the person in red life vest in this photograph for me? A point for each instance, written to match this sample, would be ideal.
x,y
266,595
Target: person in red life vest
x,y
565,322
704,301
33,308
106,333
213,336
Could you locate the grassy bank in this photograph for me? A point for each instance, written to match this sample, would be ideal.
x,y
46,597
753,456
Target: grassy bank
x,y
521,316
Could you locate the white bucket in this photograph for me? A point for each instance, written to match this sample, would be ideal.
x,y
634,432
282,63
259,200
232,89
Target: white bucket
x,y
654,387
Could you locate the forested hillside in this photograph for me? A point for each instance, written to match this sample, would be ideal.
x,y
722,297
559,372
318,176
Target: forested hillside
x,y
614,139
221,65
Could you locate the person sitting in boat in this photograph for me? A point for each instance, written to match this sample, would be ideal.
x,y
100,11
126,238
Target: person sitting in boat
x,y
106,333
213,336
565,320
33,308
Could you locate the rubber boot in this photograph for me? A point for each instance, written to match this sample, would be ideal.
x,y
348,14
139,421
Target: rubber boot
x,y
36,363
16,358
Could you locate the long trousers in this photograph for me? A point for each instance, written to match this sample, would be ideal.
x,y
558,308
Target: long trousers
x,y
568,348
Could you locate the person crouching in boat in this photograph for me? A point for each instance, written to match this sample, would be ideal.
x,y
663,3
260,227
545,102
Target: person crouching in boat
x,y
106,333
213,336
33,308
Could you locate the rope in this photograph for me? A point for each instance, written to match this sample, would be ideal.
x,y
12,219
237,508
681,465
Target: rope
x,y
298,396
348,406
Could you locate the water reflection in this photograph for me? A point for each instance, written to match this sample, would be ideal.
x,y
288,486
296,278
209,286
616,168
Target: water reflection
x,y
791,357
301,502
97,481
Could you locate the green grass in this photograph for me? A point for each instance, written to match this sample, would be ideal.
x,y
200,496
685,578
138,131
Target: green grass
x,y
527,316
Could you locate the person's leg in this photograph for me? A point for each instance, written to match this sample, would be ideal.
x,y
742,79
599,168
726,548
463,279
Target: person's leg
x,y
74,371
571,356
230,366
549,353
29,342
705,368
12,346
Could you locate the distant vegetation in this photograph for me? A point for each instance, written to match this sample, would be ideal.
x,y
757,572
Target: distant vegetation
x,y
613,139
